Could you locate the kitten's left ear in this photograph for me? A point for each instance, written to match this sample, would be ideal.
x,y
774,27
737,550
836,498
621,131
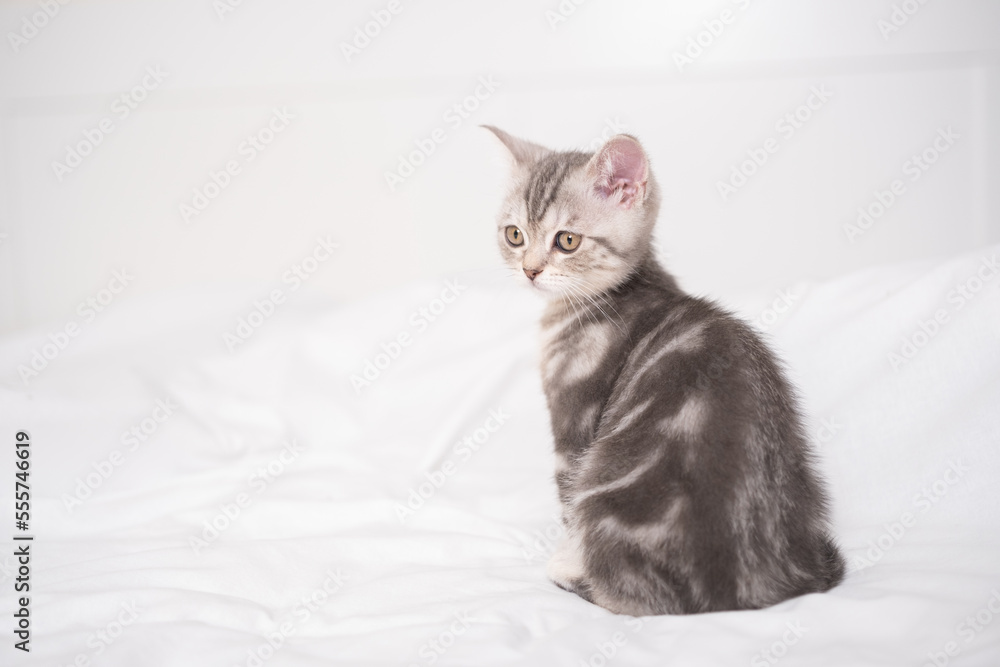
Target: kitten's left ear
x,y
523,153
620,171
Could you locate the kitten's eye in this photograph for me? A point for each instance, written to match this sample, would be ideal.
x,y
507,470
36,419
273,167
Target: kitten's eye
x,y
514,236
567,241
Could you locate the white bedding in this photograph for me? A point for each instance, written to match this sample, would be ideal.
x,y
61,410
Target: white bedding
x,y
458,579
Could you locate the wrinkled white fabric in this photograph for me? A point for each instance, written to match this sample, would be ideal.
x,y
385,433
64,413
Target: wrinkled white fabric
x,y
408,521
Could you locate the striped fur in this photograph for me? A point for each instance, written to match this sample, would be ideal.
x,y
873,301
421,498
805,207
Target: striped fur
x,y
686,481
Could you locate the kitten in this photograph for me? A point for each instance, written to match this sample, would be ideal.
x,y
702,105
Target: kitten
x,y
686,481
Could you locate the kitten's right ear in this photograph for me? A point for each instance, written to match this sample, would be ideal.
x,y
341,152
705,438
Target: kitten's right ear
x,y
523,152
621,171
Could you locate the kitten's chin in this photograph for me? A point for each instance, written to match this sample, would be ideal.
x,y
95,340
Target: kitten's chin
x,y
545,290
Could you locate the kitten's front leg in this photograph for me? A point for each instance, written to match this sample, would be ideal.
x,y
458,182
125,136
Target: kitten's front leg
x,y
566,566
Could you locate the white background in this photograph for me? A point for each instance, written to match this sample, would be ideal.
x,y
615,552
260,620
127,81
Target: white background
x,y
608,61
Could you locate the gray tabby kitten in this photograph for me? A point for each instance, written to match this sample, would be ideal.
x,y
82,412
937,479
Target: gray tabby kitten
x,y
685,478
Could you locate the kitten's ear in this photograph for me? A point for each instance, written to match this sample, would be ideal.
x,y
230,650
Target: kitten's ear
x,y
620,171
523,152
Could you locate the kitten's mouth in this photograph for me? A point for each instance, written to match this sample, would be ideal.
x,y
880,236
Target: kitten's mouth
x,y
541,287
547,287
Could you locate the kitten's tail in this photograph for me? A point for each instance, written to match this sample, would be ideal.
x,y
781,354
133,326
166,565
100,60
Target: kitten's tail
x,y
578,586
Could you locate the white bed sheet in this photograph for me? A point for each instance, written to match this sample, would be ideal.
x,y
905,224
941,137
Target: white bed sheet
x,y
321,553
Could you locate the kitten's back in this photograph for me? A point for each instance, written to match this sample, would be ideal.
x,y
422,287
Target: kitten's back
x,y
696,491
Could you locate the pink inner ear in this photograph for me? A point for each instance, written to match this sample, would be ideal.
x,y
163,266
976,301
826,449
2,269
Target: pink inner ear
x,y
623,170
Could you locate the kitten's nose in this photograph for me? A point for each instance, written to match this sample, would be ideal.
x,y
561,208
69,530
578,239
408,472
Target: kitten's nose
x,y
532,273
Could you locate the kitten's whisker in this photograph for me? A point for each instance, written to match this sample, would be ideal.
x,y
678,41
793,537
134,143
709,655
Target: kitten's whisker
x,y
581,293
578,292
575,298
569,299
488,268
605,300
594,292
588,292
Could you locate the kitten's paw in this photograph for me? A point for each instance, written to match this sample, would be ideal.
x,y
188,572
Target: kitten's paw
x,y
565,567
566,571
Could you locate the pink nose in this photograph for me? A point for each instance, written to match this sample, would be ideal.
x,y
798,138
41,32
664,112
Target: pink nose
x,y
532,273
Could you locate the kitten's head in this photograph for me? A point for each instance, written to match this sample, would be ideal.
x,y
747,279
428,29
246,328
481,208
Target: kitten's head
x,y
577,223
